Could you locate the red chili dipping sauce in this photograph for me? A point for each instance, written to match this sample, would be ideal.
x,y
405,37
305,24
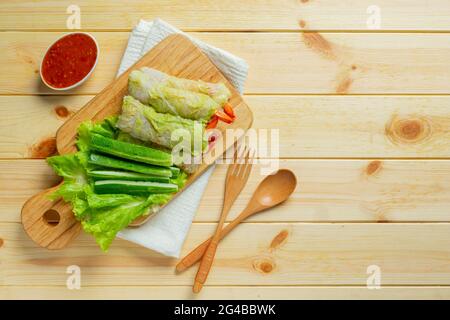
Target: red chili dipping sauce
x,y
69,60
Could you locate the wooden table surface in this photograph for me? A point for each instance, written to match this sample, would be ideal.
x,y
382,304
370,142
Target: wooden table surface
x,y
364,122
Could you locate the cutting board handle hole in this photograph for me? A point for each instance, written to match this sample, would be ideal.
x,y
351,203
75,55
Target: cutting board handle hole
x,y
51,217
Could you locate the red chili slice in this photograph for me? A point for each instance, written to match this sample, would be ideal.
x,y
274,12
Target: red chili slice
x,y
213,122
229,110
224,117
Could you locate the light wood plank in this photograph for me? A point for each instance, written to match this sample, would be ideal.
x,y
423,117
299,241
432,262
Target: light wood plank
x,y
310,254
356,190
308,126
228,14
229,292
29,123
328,190
333,190
288,63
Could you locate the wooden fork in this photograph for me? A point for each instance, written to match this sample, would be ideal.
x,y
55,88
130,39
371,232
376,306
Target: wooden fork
x,y
236,179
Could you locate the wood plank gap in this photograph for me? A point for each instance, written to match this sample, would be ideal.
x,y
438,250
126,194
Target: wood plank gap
x,y
238,286
263,30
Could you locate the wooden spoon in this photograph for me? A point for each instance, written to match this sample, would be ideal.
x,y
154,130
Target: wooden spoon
x,y
272,191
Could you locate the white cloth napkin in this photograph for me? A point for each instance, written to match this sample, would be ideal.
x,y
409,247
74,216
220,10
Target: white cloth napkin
x,y
166,231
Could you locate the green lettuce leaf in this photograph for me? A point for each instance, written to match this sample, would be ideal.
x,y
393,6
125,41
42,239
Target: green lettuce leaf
x,y
106,128
105,223
79,207
180,180
72,168
69,191
96,201
69,166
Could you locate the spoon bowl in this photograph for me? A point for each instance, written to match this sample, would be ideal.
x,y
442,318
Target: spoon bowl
x,y
275,188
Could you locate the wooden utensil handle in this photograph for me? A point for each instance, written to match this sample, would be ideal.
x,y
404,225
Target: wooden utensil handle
x,y
207,261
51,224
196,254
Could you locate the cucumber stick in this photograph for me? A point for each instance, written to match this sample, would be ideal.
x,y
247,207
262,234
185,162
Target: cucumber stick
x,y
133,187
104,161
130,151
125,175
175,171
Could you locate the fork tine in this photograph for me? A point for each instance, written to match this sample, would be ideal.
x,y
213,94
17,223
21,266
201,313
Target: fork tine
x,y
232,165
242,166
248,167
237,148
236,165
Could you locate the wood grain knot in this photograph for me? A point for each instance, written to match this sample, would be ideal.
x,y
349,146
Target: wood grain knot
x,y
28,60
344,85
44,148
373,167
409,130
302,23
318,43
62,111
279,239
264,265
1,242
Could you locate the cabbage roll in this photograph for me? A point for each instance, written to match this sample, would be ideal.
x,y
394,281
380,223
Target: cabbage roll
x,y
144,123
189,99
218,91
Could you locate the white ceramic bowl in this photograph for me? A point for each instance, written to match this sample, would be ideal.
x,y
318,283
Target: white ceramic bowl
x,y
87,75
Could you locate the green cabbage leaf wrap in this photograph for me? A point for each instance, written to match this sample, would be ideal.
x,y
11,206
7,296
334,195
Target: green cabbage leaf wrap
x,y
145,123
196,100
